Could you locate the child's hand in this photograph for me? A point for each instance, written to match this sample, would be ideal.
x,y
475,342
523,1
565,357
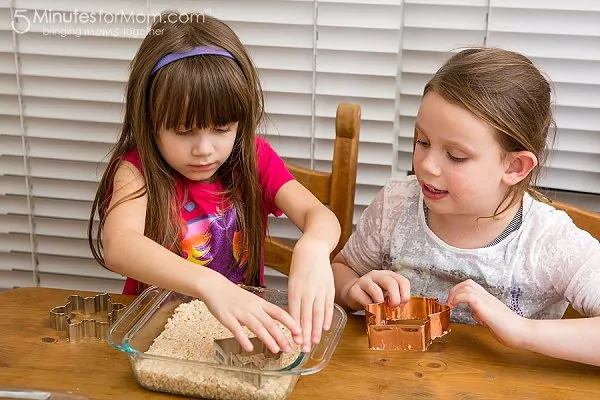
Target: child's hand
x,y
505,325
311,289
236,307
373,286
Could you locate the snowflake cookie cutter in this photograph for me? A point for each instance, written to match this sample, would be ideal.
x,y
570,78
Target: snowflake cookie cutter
x,y
86,317
413,326
229,352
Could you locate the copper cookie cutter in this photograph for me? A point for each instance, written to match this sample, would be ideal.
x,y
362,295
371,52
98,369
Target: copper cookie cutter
x,y
413,326
229,352
86,317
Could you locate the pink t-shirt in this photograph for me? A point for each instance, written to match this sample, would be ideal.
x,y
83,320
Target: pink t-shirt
x,y
209,228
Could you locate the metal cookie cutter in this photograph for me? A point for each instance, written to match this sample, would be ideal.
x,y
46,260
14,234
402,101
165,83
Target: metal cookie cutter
x,y
413,326
86,317
229,352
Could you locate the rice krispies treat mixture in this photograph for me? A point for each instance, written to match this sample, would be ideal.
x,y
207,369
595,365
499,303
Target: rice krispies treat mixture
x,y
189,334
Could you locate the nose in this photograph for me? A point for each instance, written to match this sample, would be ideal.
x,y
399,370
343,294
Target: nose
x,y
430,165
202,145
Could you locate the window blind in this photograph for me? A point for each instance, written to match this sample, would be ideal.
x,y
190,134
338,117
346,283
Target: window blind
x,y
562,38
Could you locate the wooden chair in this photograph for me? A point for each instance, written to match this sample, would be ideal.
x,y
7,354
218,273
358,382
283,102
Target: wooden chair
x,y
583,219
335,189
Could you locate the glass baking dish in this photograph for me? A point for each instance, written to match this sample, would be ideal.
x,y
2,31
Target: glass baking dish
x,y
144,320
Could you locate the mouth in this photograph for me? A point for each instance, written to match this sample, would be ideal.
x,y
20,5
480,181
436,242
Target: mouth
x,y
202,167
432,192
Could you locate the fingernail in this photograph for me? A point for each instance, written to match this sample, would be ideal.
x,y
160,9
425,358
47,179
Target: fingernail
x,y
276,349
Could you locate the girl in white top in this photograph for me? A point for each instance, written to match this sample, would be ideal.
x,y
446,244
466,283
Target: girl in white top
x,y
468,228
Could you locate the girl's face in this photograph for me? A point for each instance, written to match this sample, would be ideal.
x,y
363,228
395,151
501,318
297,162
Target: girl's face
x,y
457,160
197,153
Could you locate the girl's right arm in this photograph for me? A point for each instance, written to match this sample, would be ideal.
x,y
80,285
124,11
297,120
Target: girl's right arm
x,y
358,269
128,252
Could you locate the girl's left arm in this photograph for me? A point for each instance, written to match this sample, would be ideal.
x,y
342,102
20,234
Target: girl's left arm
x,y
569,339
311,287
567,262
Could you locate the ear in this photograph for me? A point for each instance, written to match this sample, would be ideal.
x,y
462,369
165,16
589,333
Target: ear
x,y
519,165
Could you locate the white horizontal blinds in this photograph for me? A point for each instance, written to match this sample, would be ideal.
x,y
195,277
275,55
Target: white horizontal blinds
x,y
72,74
16,264
356,61
563,39
431,30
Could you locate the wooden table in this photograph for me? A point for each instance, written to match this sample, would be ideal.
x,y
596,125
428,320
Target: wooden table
x,y
466,364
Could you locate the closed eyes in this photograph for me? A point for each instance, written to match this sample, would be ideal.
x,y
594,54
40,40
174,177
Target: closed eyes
x,y
452,158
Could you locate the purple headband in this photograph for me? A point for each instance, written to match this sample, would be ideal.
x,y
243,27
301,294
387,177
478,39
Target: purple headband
x,y
196,51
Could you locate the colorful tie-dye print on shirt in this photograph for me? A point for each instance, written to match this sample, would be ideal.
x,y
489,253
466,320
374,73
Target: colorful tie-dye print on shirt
x,y
209,229
213,241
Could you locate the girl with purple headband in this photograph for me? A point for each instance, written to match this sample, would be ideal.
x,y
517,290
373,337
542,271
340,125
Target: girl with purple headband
x,y
184,201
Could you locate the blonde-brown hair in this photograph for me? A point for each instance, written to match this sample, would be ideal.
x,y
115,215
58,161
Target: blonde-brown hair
x,y
204,91
506,90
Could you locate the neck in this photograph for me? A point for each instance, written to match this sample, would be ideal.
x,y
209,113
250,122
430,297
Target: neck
x,y
470,231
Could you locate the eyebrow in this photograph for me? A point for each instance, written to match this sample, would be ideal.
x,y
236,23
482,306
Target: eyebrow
x,y
452,143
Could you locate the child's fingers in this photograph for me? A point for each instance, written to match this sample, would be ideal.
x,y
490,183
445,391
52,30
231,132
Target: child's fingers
x,y
372,289
390,286
358,295
275,331
404,287
458,288
279,314
263,330
329,300
294,304
468,297
468,284
306,319
236,329
318,317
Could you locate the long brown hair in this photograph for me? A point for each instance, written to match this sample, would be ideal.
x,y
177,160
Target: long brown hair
x,y
202,91
506,90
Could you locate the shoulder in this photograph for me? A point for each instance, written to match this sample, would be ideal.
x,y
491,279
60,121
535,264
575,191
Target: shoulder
x,y
547,219
262,146
401,192
267,159
396,196
553,232
272,173
133,157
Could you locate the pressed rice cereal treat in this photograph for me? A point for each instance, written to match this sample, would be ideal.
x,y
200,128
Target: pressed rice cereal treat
x,y
189,335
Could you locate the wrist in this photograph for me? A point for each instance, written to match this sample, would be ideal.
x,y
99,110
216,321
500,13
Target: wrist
x,y
206,281
527,334
310,245
313,242
347,299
